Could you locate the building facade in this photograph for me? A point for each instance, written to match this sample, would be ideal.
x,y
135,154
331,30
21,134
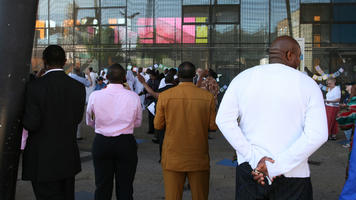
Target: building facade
x,y
225,35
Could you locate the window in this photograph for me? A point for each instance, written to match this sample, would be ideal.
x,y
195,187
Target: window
x,y
196,14
315,13
226,14
344,13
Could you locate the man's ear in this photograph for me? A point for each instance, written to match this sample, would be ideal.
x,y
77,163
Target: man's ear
x,y
289,56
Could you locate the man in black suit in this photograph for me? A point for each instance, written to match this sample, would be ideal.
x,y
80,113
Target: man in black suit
x,y
54,108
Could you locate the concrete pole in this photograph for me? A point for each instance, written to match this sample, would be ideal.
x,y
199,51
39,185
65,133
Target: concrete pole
x,y
17,22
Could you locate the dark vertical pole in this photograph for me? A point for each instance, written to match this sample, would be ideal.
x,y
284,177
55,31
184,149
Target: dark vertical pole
x,y
289,16
17,22
126,37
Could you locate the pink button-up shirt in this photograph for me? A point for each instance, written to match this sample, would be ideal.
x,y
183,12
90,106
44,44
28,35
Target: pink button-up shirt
x,y
114,111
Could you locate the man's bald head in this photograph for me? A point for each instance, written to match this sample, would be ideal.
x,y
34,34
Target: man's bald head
x,y
285,50
116,74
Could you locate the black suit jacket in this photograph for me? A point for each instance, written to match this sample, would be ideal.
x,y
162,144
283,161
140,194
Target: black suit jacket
x,y
54,108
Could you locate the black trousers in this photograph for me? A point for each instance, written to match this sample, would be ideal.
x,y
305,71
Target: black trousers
x,y
54,190
114,157
150,122
160,136
282,188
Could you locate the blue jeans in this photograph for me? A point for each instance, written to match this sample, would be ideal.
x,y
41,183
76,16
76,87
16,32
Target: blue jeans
x,y
348,135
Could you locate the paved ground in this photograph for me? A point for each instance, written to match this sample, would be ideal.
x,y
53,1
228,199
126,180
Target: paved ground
x,y
327,169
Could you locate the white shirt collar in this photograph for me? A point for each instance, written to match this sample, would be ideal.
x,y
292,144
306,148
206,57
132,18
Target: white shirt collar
x,y
52,70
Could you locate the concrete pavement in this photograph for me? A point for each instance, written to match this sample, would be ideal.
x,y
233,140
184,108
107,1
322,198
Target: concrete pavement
x,y
327,170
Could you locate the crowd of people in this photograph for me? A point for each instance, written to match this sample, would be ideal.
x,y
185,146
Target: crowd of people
x,y
272,130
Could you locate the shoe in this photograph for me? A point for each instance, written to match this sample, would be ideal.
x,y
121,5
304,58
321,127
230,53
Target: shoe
x,y
346,145
149,132
155,140
332,138
80,138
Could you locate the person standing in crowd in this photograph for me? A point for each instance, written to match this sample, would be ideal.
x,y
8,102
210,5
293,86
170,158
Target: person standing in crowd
x,y
130,79
139,87
54,107
76,74
170,82
153,83
187,113
103,74
91,88
349,119
171,71
114,113
332,100
87,82
208,81
346,128
276,133
100,84
198,73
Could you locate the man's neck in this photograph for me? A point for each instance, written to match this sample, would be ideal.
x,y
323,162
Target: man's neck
x,y
115,82
52,67
280,61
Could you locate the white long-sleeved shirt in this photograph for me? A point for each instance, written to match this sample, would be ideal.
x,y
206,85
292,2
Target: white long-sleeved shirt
x,y
281,115
91,88
333,95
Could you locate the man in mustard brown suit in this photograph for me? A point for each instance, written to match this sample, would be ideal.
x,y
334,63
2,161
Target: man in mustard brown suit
x,y
187,113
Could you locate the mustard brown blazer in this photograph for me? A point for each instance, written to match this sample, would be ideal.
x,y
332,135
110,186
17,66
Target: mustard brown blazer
x,y
187,113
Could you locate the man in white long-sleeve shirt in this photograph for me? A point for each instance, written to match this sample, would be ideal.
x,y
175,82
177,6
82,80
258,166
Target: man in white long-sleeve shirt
x,y
282,121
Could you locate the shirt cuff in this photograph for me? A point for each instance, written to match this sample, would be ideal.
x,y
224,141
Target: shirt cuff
x,y
257,158
274,169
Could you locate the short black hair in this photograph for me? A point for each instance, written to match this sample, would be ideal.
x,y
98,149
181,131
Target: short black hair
x,y
173,71
77,70
116,74
54,56
213,74
169,78
153,72
186,70
90,69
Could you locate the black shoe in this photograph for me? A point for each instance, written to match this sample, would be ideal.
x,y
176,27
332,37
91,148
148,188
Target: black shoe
x,y
332,138
149,132
155,140
80,138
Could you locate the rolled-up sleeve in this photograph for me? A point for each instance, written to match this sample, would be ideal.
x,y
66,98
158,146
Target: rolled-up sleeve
x,y
314,135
